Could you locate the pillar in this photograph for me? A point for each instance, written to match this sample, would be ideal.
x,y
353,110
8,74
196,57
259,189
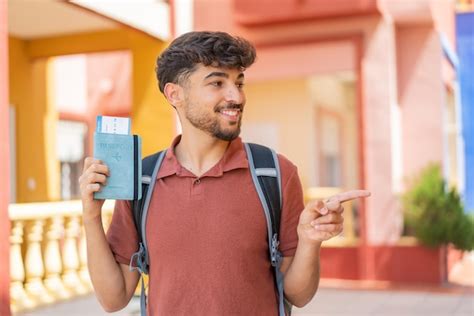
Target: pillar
x,y
4,165
422,96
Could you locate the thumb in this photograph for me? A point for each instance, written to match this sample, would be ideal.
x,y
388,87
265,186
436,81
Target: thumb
x,y
320,207
317,208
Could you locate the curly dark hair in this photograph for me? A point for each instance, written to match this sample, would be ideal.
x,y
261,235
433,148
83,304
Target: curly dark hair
x,y
218,49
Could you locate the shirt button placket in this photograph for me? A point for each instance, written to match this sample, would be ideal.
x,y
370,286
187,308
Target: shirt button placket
x,y
197,187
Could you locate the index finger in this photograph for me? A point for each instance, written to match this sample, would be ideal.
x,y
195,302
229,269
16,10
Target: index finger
x,y
350,195
89,161
100,166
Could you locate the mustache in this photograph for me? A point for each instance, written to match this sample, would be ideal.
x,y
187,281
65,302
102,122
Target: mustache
x,y
229,106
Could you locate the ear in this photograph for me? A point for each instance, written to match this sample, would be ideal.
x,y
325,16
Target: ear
x,y
173,93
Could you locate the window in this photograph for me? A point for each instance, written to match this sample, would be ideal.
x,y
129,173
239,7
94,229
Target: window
x,y
71,138
331,175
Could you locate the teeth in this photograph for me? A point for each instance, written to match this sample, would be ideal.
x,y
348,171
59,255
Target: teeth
x,y
230,112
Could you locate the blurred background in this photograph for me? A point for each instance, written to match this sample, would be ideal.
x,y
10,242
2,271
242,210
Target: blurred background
x,y
373,94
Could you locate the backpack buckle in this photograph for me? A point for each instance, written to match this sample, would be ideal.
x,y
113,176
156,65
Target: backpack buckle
x,y
139,258
275,254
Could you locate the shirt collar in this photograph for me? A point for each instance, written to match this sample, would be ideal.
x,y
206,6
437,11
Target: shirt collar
x,y
234,157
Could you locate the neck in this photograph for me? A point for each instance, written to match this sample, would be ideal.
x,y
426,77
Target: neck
x,y
198,152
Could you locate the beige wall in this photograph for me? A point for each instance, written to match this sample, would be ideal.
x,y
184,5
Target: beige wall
x,y
284,114
334,93
286,106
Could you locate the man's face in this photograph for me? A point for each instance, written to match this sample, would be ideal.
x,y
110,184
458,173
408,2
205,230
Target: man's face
x,y
214,101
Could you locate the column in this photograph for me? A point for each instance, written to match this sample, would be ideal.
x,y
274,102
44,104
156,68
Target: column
x,y
422,96
4,164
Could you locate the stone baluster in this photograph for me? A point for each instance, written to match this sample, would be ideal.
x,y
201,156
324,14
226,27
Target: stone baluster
x,y
19,299
52,259
34,264
349,226
83,270
71,257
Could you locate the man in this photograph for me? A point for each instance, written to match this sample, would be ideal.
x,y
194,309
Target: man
x,y
206,229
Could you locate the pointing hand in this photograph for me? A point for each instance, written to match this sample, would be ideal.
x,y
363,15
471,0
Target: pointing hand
x,y
322,220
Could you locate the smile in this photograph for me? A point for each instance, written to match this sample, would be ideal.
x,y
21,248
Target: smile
x,y
230,113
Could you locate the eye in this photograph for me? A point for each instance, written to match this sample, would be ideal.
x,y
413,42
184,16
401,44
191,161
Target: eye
x,y
240,85
217,84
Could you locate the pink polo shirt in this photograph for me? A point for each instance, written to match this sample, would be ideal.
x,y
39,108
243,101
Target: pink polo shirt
x,y
207,238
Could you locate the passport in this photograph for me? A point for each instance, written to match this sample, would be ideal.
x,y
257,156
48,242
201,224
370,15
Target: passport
x,y
122,154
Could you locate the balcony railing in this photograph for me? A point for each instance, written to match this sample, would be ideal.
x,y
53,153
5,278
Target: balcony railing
x,y
48,260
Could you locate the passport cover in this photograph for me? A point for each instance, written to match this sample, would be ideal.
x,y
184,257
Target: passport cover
x,y
122,154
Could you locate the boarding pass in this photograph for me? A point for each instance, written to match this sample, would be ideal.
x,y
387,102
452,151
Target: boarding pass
x,y
113,125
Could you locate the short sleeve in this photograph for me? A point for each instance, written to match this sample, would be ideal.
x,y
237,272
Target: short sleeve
x,y
293,204
122,234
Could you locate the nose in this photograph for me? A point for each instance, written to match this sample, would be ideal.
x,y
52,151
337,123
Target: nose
x,y
234,95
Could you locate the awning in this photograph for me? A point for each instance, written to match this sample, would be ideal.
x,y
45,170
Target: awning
x,y
48,18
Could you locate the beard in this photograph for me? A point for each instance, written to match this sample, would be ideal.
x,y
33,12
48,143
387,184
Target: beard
x,y
211,123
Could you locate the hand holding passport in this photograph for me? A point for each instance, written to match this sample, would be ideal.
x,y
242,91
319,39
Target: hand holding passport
x,y
121,152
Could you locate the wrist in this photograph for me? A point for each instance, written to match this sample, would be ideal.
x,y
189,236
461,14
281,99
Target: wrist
x,y
309,251
89,219
308,244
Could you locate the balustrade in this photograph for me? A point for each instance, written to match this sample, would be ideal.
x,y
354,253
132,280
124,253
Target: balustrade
x,y
48,257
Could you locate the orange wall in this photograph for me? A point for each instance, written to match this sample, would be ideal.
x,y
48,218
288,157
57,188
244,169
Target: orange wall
x,y
152,116
37,169
4,165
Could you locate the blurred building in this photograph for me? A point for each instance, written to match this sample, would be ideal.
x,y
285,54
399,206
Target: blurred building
x,y
75,63
465,70
61,64
357,93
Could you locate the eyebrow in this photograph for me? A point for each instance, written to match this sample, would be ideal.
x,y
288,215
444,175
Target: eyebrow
x,y
223,75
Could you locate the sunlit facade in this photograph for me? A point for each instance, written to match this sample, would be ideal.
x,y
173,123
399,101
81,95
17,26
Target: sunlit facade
x,y
362,94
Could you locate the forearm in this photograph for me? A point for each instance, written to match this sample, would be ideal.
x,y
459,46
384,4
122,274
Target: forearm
x,y
302,277
106,274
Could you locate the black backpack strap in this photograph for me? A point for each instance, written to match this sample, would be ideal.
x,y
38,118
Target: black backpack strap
x,y
265,171
150,168
148,165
